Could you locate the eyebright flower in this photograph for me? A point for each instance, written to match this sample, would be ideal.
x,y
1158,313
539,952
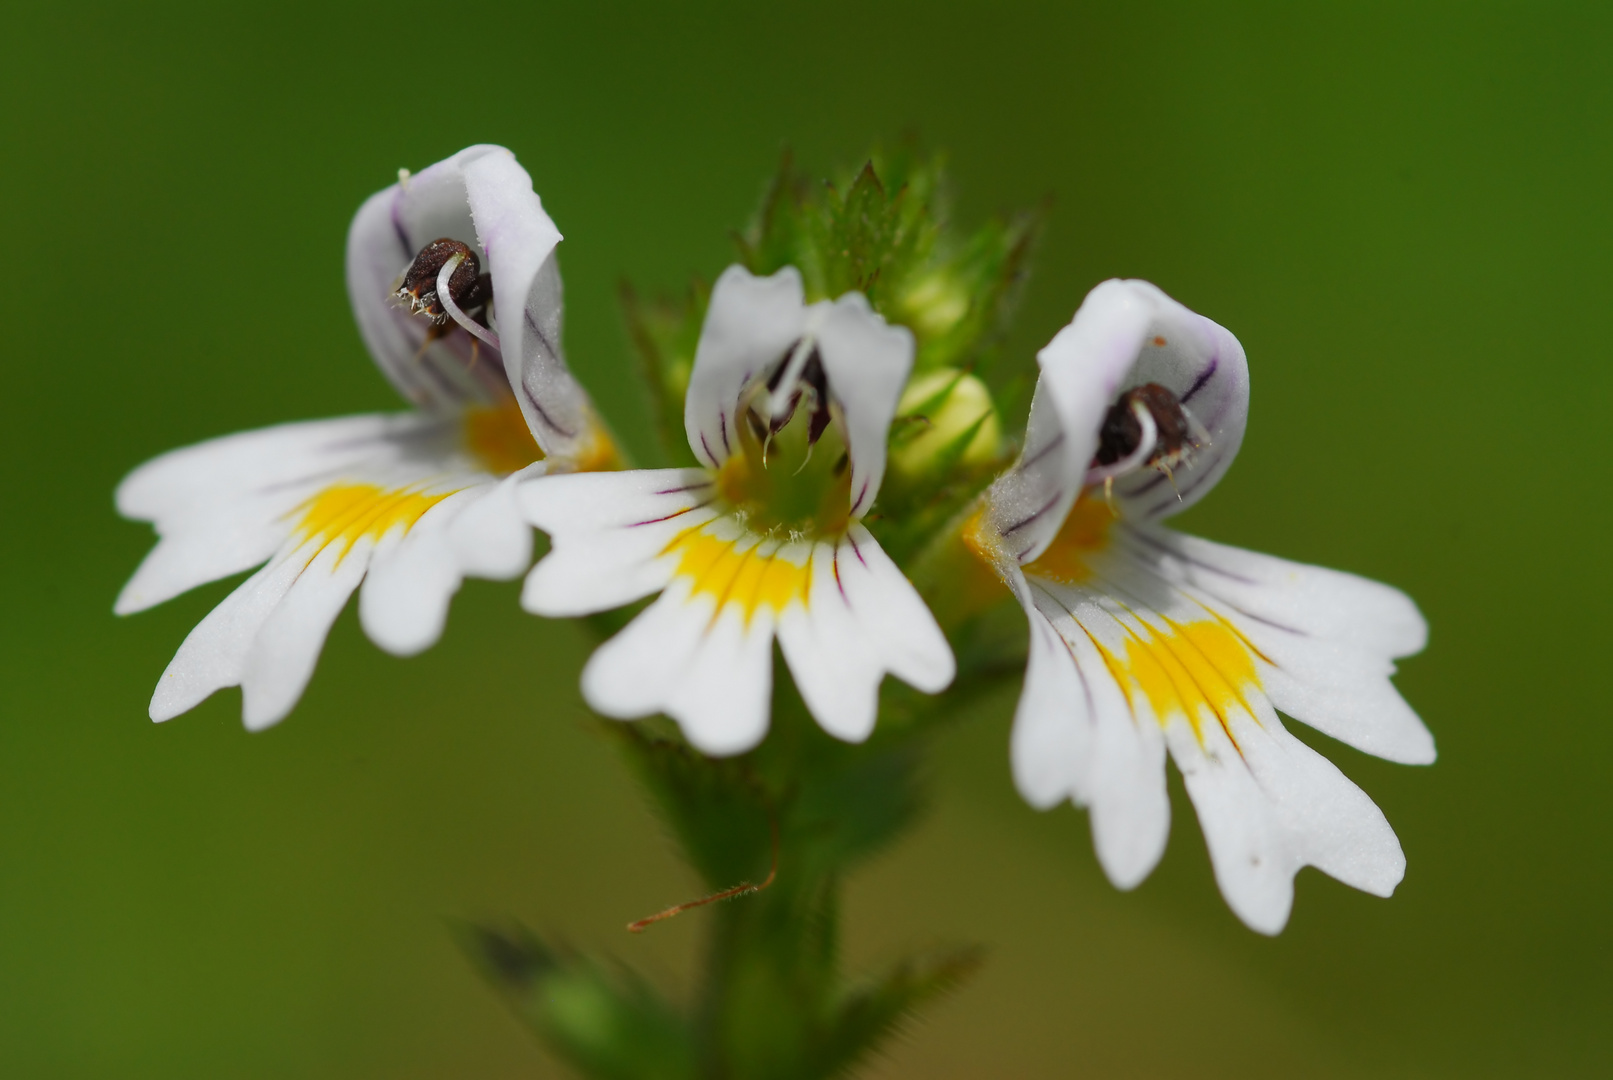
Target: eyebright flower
x,y
407,503
1144,640
787,410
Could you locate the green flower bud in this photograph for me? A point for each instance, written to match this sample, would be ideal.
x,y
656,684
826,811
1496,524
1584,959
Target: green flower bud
x,y
948,419
935,303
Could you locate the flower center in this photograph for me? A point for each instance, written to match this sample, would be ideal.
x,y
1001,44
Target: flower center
x,y
790,477
445,283
1146,427
498,437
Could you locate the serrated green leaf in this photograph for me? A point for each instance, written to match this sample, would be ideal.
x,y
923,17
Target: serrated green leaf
x,y
875,1009
664,333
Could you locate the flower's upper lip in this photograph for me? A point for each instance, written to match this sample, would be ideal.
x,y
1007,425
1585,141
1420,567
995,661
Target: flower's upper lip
x,y
483,197
1125,334
751,326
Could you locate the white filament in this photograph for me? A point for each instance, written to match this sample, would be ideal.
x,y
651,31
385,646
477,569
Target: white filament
x,y
1138,457
778,399
472,327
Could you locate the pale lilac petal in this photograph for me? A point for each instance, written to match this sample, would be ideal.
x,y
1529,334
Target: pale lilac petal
x,y
1125,334
388,231
867,363
518,239
750,324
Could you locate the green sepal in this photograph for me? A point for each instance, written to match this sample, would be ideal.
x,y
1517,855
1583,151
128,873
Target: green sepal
x,y
665,332
886,231
596,1015
716,808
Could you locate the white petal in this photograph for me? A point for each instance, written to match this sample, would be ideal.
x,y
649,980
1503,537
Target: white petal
x,y
1323,603
225,505
213,655
281,660
222,506
190,479
711,674
205,551
866,363
749,325
360,486
862,619
490,538
1326,639
1051,745
910,644
1269,805
610,534
413,576
1122,776
836,666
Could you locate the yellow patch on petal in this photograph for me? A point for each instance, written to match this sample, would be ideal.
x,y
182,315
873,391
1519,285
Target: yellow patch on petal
x,y
498,437
749,576
965,573
1188,670
347,513
1085,530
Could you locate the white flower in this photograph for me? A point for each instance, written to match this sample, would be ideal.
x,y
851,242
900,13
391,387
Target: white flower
x,y
765,540
408,503
1144,640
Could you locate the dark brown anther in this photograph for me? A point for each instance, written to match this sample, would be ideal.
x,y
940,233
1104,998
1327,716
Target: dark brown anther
x,y
812,378
1122,432
469,288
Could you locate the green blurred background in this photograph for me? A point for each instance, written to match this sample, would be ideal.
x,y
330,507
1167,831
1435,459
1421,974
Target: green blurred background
x,y
1402,211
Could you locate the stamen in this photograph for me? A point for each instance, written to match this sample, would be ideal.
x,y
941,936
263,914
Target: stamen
x,y
445,284
811,446
1164,467
1199,433
1138,457
1147,427
779,395
446,299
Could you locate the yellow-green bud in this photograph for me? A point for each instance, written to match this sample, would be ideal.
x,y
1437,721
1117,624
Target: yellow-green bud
x,y
937,422
935,303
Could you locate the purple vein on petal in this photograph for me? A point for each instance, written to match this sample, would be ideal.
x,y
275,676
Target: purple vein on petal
x,y
1052,444
1198,384
1018,525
